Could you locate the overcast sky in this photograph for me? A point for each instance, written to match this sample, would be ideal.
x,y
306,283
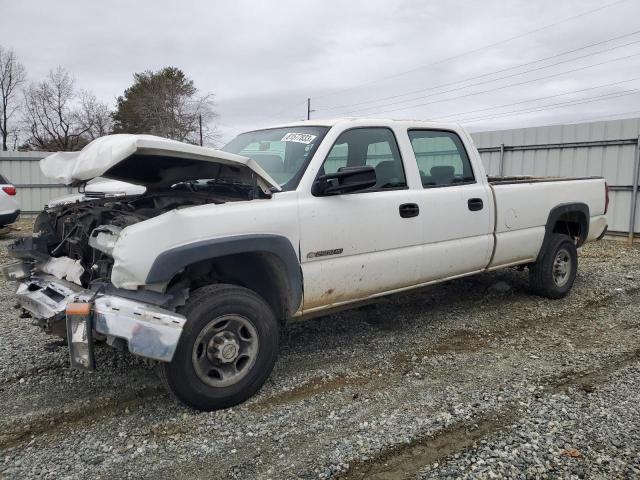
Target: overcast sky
x,y
403,59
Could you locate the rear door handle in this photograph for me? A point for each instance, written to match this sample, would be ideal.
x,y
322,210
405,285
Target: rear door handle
x,y
475,204
408,210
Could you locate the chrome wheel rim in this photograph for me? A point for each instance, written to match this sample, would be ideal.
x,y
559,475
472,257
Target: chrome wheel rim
x,y
225,350
562,267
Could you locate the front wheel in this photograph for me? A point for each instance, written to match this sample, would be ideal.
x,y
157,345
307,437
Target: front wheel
x,y
552,276
227,349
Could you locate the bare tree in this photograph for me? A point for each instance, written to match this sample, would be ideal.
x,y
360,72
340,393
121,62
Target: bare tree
x,y
202,111
182,118
52,117
93,116
12,76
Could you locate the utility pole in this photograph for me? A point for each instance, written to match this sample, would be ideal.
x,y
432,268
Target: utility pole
x,y
309,109
200,123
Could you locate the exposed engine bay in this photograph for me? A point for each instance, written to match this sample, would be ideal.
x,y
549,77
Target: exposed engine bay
x,y
75,241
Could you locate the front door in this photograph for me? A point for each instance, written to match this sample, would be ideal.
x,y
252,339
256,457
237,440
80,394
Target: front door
x,y
360,244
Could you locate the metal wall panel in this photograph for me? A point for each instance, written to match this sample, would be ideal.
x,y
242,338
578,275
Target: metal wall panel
x,y
620,211
547,151
34,189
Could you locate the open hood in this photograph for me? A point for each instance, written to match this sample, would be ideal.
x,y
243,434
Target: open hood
x,y
152,161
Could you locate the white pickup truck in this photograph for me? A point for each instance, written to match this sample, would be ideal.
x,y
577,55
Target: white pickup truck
x,y
201,271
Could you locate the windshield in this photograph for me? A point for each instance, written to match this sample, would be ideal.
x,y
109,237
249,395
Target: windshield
x,y
282,152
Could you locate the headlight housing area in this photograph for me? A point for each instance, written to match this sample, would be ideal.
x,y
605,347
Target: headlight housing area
x,y
79,336
104,238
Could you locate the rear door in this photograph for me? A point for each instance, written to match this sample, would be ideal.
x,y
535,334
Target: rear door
x,y
360,244
455,206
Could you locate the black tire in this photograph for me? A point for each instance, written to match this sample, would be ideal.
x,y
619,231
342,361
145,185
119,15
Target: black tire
x,y
183,376
545,275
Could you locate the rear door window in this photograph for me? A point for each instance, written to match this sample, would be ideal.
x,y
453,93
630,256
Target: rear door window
x,y
442,158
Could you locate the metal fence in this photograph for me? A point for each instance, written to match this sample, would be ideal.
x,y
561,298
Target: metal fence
x,y
34,189
609,149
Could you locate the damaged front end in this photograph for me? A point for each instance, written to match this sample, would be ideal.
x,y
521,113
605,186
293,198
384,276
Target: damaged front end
x,y
145,329
67,263
64,270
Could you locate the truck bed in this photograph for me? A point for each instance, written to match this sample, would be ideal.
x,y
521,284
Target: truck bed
x,y
499,180
523,205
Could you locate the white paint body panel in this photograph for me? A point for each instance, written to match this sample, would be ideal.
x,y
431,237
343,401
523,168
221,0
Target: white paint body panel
x,y
456,240
380,252
379,248
597,227
522,210
140,244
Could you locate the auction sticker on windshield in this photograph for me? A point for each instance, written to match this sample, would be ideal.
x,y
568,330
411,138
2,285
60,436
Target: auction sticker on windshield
x,y
305,138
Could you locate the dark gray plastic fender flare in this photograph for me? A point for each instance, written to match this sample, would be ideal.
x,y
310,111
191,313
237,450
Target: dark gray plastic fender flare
x,y
555,215
170,262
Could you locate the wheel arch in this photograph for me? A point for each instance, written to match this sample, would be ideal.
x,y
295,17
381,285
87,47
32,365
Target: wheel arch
x,y
264,263
568,218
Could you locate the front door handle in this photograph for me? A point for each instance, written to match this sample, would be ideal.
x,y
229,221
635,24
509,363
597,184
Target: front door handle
x,y
408,210
475,204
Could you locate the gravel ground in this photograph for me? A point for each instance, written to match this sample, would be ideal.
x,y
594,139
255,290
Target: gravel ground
x,y
473,378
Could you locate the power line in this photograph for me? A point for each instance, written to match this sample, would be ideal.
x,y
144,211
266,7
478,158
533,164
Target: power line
x,y
433,87
599,117
596,118
538,99
484,82
569,103
484,47
280,112
447,59
502,87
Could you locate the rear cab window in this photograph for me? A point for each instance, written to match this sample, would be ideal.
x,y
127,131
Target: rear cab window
x,y
441,157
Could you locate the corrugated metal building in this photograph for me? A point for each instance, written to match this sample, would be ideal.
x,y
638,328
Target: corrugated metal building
x,y
34,189
609,149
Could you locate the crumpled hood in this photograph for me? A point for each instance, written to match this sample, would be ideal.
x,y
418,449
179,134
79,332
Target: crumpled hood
x,y
151,161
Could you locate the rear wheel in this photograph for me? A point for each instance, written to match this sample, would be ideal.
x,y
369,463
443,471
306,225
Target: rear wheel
x,y
227,350
555,271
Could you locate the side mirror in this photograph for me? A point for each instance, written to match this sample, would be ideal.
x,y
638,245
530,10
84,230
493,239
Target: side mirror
x,y
345,180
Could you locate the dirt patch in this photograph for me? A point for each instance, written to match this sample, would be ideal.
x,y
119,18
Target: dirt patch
x,y
606,300
164,430
23,430
587,381
571,324
313,387
406,461
462,341
459,341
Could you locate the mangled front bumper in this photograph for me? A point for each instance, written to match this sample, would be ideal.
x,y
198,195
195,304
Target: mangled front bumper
x,y
148,330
